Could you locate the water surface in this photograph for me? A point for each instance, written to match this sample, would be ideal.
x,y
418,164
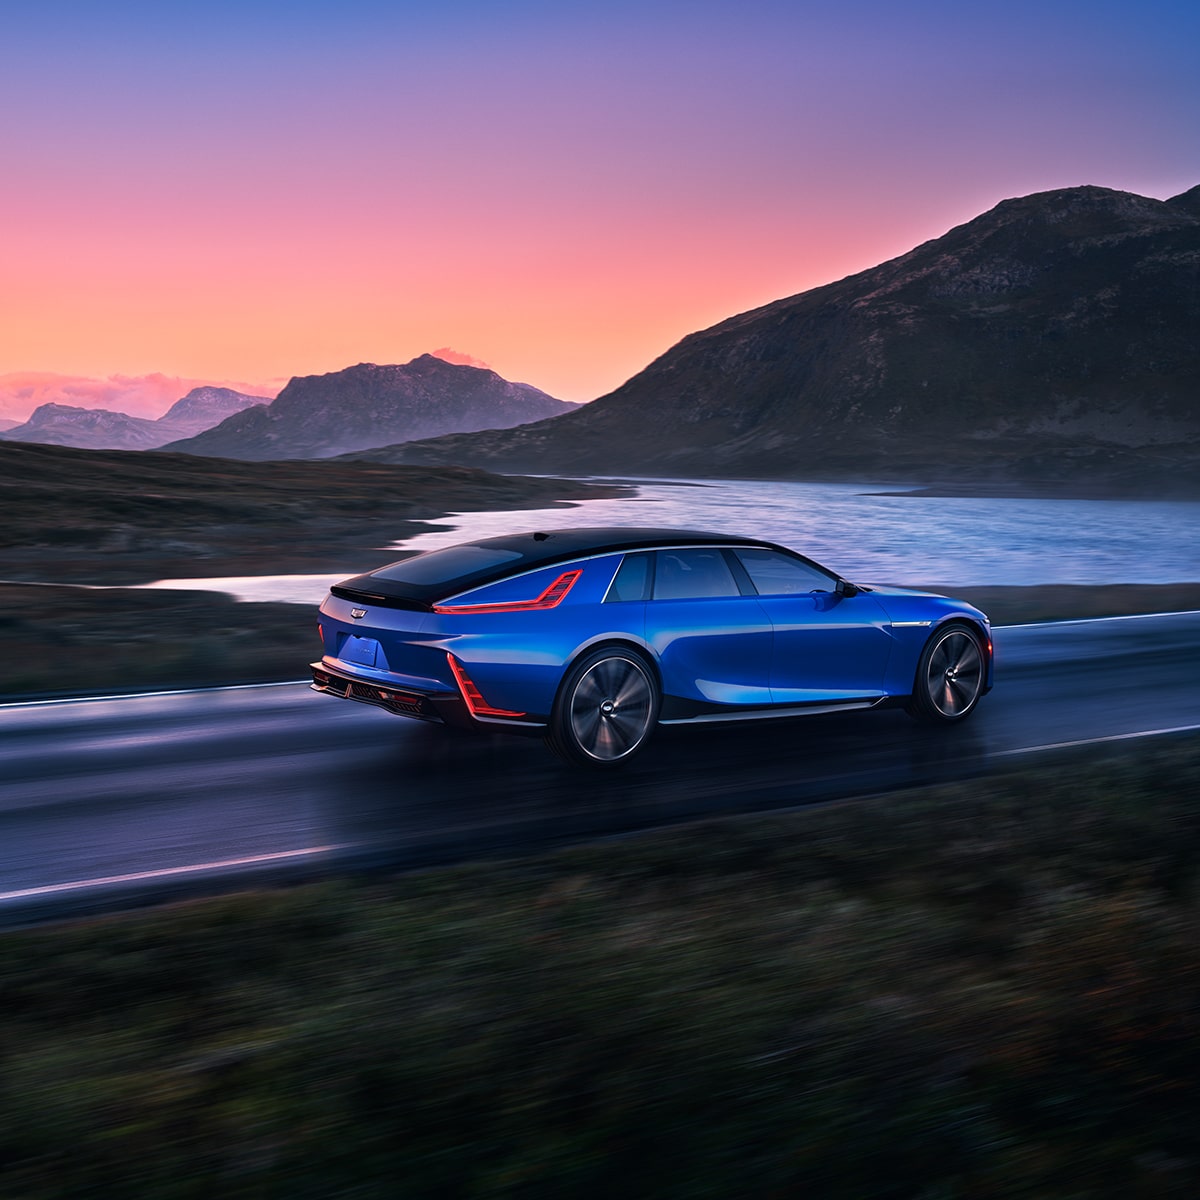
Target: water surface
x,y
918,540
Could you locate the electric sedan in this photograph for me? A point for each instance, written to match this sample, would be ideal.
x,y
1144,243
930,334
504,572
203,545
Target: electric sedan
x,y
591,638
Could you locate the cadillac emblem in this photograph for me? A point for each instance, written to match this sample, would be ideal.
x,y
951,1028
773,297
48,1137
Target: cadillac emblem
x,y
358,613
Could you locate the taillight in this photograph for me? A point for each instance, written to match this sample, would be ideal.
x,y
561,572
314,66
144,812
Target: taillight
x,y
551,597
475,702
321,633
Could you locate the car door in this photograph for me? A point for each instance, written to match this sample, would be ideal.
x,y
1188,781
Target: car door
x,y
827,646
713,643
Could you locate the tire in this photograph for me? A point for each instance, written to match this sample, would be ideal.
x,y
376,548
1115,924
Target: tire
x,y
950,675
606,708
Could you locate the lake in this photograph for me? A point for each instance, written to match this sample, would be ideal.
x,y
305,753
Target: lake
x,y
916,540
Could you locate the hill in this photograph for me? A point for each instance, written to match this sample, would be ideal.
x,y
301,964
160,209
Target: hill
x,y
102,429
318,416
1052,340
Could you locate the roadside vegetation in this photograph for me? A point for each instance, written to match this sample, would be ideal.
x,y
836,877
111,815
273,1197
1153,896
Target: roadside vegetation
x,y
987,989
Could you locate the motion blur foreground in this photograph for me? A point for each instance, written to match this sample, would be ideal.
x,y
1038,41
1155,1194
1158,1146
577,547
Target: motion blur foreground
x,y
593,637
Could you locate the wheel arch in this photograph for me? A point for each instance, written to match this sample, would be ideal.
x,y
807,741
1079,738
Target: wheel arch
x,y
564,737
982,630
621,641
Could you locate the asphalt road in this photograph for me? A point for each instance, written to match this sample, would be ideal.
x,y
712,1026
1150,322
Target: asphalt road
x,y
107,802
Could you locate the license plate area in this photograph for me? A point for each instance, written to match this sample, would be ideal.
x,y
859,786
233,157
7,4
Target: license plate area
x,y
362,651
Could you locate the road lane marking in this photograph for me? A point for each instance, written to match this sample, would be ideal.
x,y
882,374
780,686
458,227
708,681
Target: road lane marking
x,y
1186,612
227,687
170,872
1112,737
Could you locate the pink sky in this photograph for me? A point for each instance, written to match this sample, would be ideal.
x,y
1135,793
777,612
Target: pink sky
x,y
222,192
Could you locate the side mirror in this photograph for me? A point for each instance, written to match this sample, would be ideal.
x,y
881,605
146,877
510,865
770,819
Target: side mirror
x,y
846,588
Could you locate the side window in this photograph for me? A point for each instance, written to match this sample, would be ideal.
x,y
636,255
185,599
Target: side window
x,y
631,578
692,574
775,574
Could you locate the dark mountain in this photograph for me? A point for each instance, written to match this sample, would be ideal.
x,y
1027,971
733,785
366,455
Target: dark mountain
x,y
102,429
317,416
1056,337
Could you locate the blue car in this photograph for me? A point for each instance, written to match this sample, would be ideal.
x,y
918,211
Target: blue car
x,y
591,638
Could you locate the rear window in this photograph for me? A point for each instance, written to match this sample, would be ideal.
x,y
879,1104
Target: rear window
x,y
444,566
631,579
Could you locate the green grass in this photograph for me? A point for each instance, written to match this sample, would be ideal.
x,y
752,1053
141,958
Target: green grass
x,y
989,989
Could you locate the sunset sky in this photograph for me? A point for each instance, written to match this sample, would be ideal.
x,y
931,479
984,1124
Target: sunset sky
x,y
241,192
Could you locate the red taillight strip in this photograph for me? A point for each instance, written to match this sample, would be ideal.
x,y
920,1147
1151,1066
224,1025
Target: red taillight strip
x,y
476,704
548,599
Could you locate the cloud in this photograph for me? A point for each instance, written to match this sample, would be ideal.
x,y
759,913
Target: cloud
x,y
457,356
137,395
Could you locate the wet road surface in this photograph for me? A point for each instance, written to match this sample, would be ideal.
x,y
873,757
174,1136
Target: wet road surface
x,y
134,799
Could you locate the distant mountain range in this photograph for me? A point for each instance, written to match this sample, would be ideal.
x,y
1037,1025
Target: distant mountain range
x,y
1054,338
318,416
101,429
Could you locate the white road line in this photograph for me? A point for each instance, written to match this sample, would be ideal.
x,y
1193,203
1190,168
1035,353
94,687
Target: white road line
x,y
76,885
1112,737
1186,612
169,872
229,687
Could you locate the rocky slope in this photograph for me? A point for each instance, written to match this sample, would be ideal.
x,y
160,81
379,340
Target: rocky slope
x,y
317,416
1054,338
102,429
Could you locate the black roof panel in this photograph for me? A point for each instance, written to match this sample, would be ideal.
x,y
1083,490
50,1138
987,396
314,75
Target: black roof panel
x,y
534,549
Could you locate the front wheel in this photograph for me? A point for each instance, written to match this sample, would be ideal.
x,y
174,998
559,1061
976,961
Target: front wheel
x,y
605,709
950,675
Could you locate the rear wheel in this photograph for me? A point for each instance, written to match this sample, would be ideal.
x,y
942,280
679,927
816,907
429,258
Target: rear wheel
x,y
950,675
605,709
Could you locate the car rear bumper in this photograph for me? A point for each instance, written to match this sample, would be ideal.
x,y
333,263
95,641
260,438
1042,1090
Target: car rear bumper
x,y
442,707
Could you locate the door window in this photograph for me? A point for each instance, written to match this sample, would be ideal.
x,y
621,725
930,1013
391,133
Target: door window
x,y
693,574
775,574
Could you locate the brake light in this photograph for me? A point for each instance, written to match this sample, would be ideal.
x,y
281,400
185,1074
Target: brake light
x,y
550,598
321,632
476,704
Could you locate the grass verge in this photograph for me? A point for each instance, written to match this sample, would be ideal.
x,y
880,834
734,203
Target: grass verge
x,y
989,989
